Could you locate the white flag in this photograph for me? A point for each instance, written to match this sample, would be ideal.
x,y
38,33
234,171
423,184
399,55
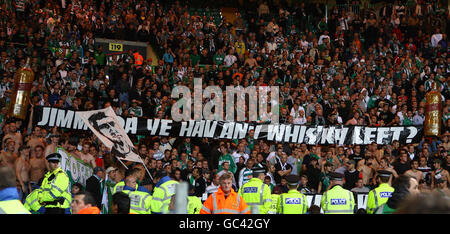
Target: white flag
x,y
107,128
105,200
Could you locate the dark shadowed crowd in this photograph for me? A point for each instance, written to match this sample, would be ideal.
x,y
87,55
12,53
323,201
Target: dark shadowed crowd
x,y
371,65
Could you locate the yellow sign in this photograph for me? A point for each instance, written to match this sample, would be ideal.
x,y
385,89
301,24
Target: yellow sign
x,y
115,47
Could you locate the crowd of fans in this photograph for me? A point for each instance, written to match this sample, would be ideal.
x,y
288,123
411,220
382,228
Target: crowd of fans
x,y
371,66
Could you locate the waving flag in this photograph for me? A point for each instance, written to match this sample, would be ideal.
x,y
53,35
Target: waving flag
x,y
105,125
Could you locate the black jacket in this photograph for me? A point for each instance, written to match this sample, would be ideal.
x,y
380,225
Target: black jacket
x,y
94,188
199,187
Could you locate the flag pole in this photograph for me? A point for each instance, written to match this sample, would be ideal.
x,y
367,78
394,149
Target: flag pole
x,y
147,170
122,163
142,164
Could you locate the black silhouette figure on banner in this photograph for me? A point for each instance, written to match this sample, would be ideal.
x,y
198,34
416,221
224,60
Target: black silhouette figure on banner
x,y
106,126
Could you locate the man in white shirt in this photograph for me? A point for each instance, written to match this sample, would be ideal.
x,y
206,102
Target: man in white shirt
x,y
230,58
274,157
272,45
419,117
304,43
214,186
272,27
411,152
323,37
157,154
295,111
300,119
240,152
166,144
436,38
344,22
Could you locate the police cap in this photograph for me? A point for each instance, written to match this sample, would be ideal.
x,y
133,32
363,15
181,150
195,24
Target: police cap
x,y
336,176
257,171
55,157
292,179
384,173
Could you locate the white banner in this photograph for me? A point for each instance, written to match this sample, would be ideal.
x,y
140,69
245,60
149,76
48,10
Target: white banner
x,y
105,125
288,133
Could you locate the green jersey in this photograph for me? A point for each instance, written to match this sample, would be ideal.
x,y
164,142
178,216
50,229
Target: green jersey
x,y
218,58
227,158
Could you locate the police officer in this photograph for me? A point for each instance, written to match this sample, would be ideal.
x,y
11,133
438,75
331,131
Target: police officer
x,y
404,186
32,204
163,191
256,193
274,204
139,201
380,194
9,197
119,186
53,194
194,203
337,200
292,202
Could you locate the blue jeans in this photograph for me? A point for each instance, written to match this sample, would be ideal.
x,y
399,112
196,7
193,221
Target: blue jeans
x,y
34,185
23,193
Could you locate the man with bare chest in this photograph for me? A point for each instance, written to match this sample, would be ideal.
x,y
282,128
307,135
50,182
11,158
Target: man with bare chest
x,y
70,145
36,139
414,171
14,135
384,165
54,142
8,156
38,166
365,166
86,156
22,169
375,153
